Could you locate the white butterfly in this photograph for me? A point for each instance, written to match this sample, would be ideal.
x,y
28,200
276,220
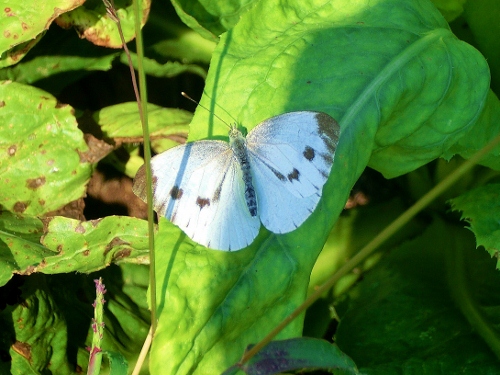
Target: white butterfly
x,y
219,192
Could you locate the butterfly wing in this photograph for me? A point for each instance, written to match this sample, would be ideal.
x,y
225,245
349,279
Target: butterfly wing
x,y
291,156
199,188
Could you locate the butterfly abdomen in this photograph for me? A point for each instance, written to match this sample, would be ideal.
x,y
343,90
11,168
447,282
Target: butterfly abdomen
x,y
240,151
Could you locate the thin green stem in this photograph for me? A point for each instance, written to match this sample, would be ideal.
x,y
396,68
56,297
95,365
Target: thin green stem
x,y
143,109
142,101
369,248
144,352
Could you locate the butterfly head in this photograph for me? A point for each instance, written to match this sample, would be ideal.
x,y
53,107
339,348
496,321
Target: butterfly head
x,y
235,132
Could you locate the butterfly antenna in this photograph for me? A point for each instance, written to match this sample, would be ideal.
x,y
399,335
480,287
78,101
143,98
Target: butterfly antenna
x,y
205,108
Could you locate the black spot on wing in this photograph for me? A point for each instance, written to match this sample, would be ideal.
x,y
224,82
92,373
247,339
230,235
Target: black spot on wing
x,y
309,153
280,176
176,193
329,130
202,202
294,175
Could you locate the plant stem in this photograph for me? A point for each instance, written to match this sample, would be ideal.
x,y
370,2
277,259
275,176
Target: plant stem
x,y
141,98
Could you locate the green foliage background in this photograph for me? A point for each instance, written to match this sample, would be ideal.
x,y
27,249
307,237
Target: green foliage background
x,y
409,84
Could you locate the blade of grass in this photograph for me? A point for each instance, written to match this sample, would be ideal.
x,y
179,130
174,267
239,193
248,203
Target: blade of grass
x,y
369,248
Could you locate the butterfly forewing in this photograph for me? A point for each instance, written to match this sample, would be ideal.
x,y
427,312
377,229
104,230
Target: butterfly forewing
x,y
198,187
291,158
298,147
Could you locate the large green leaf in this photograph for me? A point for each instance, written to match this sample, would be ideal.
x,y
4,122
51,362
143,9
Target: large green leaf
x,y
39,328
403,88
123,121
43,166
62,54
58,244
480,133
167,126
483,22
23,23
92,22
171,39
402,318
167,70
297,354
211,18
52,320
450,9
480,207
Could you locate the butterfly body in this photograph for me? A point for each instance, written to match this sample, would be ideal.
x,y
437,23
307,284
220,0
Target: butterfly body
x,y
238,145
218,193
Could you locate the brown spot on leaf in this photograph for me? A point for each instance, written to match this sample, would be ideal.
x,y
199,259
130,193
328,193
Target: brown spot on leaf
x,y
35,183
95,222
12,150
24,26
86,253
45,222
20,207
80,228
117,241
6,33
23,349
28,271
6,10
41,202
125,253
2,103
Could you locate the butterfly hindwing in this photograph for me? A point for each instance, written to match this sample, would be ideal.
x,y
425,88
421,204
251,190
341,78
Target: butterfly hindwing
x,y
279,210
198,187
291,158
